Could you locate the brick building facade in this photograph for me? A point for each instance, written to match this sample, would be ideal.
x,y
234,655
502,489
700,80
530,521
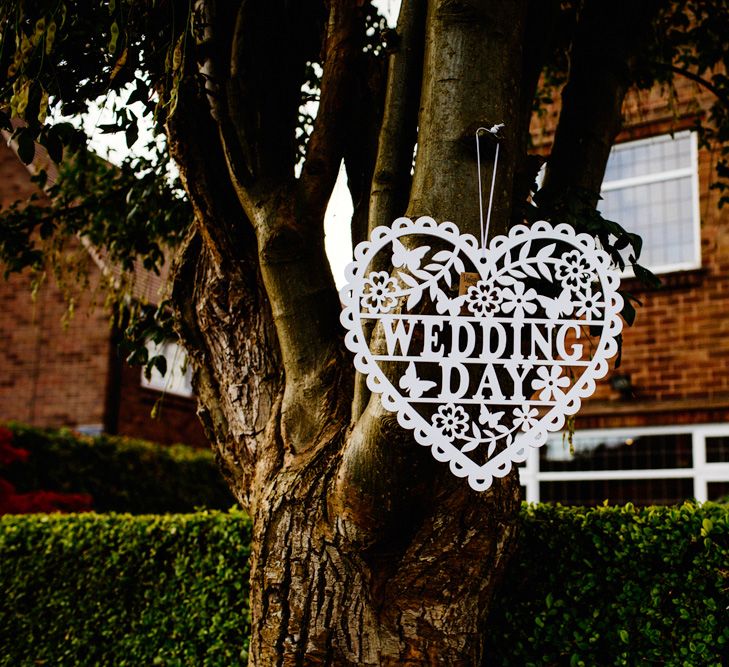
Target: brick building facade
x,y
72,375
657,430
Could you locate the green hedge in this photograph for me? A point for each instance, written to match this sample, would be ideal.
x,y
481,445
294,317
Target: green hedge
x,y
593,587
118,590
616,586
121,474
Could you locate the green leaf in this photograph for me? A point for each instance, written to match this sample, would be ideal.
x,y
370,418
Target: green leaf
x,y
645,276
160,363
628,311
131,134
113,37
26,146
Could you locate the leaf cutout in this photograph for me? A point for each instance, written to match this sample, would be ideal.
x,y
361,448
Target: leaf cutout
x,y
530,270
407,279
524,252
442,302
469,445
492,447
544,269
442,255
414,299
546,252
458,265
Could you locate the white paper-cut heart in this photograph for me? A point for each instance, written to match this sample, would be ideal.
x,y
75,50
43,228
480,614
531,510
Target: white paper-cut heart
x,y
482,376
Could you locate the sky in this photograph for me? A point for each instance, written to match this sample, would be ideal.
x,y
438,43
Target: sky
x,y
337,237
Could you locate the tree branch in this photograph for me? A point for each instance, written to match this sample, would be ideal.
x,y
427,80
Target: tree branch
x,y
224,317
383,478
720,94
540,25
391,181
254,96
602,60
294,265
326,144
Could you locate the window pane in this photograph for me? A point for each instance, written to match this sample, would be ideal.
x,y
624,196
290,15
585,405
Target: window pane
x,y
661,213
717,450
718,491
638,491
178,378
607,452
641,158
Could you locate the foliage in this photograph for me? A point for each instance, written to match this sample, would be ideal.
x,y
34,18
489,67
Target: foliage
x,y
121,590
603,586
616,586
120,474
12,502
54,61
130,57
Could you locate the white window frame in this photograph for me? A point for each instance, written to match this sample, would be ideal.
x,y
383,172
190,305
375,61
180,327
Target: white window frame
x,y
692,170
177,361
701,472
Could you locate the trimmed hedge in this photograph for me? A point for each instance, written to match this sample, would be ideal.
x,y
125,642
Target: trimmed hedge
x,y
93,589
604,586
616,586
121,474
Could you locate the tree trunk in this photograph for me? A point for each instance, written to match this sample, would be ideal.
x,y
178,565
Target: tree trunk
x,y
366,551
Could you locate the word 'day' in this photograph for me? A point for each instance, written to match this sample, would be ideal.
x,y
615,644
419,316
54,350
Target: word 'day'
x,y
481,376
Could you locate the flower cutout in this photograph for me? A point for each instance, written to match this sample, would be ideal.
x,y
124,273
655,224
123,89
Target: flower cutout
x,y
574,271
589,304
379,292
518,301
483,298
451,420
549,381
525,417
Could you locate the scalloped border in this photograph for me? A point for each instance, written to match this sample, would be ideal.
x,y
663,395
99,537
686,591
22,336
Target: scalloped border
x,y
481,477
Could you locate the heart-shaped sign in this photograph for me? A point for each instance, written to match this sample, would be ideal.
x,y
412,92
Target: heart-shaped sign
x,y
484,373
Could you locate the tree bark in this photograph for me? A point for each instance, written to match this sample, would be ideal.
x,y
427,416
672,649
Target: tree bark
x,y
366,551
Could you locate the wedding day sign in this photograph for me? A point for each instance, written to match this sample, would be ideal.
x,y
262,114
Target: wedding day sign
x,y
483,373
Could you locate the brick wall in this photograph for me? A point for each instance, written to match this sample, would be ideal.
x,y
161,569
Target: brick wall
x,y
677,353
176,421
50,375
55,375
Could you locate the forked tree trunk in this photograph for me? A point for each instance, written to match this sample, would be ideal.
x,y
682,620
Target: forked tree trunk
x,y
366,551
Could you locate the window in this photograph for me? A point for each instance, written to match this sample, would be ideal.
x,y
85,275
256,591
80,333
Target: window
x,y
178,378
651,188
646,466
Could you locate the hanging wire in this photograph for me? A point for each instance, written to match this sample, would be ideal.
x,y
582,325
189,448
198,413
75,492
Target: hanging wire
x,y
493,131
